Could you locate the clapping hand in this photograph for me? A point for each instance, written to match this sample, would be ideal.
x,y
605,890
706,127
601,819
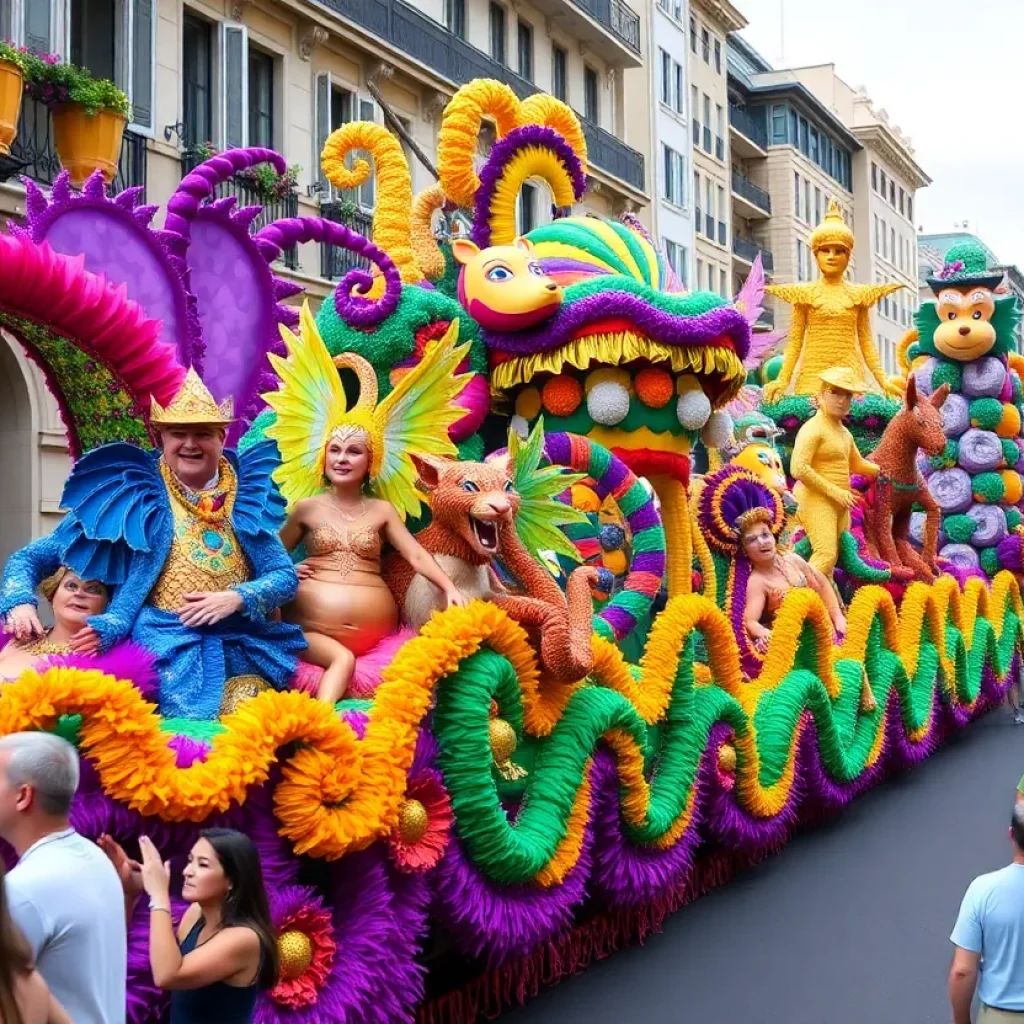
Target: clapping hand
x,y
128,870
156,873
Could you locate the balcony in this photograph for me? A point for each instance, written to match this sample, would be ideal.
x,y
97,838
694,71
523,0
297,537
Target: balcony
x,y
247,195
752,201
335,263
750,133
746,250
430,43
33,154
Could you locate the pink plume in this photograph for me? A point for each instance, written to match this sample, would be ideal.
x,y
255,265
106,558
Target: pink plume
x,y
762,345
751,295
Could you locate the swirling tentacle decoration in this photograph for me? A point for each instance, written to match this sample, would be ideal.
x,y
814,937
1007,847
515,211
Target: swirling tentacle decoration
x,y
530,151
460,134
350,297
426,251
546,110
392,230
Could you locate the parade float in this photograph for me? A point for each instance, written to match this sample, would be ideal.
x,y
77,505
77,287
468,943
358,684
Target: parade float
x,y
502,795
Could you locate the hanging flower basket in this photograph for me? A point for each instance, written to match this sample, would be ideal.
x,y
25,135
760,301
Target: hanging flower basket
x,y
87,142
11,87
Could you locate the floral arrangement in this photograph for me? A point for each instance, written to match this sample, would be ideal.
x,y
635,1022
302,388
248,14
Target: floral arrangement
x,y
12,54
53,82
268,185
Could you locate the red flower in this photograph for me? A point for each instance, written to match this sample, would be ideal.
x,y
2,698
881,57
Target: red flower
x,y
425,819
305,944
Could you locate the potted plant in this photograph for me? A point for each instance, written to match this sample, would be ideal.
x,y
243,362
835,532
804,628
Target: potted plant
x,y
89,115
12,80
267,184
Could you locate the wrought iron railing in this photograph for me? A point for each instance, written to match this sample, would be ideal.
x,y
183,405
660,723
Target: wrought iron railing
x,y
429,42
747,249
249,194
743,186
615,16
33,154
747,124
335,262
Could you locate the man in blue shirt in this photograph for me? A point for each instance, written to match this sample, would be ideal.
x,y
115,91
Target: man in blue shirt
x,y
989,941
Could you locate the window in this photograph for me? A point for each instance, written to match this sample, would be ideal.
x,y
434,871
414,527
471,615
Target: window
x,y
805,146
336,106
796,196
696,200
779,121
723,287
678,259
707,123
666,77
814,145
794,127
709,185
591,111
881,178
693,34
892,244
705,45
903,200
711,277
885,240
559,60
721,215
718,61
892,193
497,15
801,249
455,17
878,241
527,212
910,209
261,99
817,206
675,175
525,38
694,111
679,89
720,120
700,270
807,200
197,80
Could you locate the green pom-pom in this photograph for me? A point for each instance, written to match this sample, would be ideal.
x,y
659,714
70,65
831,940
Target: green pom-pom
x,y
986,413
959,529
947,373
770,369
913,352
946,459
988,488
1018,389
1013,519
1011,453
989,561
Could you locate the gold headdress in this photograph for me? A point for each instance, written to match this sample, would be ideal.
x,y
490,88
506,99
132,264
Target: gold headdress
x,y
192,405
311,408
832,230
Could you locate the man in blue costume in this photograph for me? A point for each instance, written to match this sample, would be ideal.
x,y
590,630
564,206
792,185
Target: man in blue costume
x,y
188,535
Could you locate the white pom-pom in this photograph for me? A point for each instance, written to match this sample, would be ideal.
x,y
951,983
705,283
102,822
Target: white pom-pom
x,y
717,430
693,409
608,403
520,426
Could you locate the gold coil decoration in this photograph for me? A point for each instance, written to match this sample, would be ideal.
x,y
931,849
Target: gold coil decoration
x,y
426,251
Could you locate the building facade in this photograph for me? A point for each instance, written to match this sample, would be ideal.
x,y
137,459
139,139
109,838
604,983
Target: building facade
x,y
673,199
710,23
283,74
931,254
886,177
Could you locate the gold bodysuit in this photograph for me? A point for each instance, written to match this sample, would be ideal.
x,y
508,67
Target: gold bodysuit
x,y
346,598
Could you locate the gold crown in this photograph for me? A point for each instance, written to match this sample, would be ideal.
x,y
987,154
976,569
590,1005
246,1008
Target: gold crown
x,y
192,405
832,230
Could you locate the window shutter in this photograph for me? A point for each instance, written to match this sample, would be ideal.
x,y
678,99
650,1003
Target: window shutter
x,y
368,191
322,119
142,64
234,85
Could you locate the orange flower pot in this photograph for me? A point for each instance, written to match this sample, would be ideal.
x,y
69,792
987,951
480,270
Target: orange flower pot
x,y
87,142
11,89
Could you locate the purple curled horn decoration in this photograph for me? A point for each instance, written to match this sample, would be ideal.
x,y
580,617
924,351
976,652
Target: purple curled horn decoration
x,y
199,184
349,296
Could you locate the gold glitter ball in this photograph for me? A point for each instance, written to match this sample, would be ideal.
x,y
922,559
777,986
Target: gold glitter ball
x,y
727,758
239,689
295,953
412,822
503,739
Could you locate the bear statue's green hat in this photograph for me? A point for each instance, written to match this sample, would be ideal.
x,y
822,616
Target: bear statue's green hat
x,y
965,267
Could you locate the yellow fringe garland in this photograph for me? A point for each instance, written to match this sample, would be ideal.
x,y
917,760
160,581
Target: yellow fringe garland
x,y
426,251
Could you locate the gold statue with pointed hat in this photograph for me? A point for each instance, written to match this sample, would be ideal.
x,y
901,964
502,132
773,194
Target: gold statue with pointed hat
x,y
191,406
831,325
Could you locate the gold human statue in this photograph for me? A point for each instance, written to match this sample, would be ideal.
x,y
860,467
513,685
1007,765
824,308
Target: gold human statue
x,y
831,326
824,457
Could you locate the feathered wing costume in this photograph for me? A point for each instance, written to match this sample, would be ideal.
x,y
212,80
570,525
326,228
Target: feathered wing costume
x,y
311,406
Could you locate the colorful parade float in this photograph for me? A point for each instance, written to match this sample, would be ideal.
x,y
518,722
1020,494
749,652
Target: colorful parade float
x,y
533,685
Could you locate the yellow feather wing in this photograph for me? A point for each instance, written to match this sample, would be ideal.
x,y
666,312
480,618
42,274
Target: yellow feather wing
x,y
309,404
416,417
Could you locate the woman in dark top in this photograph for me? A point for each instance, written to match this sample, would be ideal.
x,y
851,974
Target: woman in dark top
x,y
225,950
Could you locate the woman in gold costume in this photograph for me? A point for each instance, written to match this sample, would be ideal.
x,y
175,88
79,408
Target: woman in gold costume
x,y
74,601
350,483
831,325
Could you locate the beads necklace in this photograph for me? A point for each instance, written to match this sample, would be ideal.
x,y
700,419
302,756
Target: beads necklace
x,y
45,646
348,516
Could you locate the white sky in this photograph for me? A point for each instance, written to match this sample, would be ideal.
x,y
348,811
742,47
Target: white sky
x,y
951,76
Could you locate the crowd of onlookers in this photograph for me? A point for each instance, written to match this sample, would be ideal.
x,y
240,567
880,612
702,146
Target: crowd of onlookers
x,y
63,951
